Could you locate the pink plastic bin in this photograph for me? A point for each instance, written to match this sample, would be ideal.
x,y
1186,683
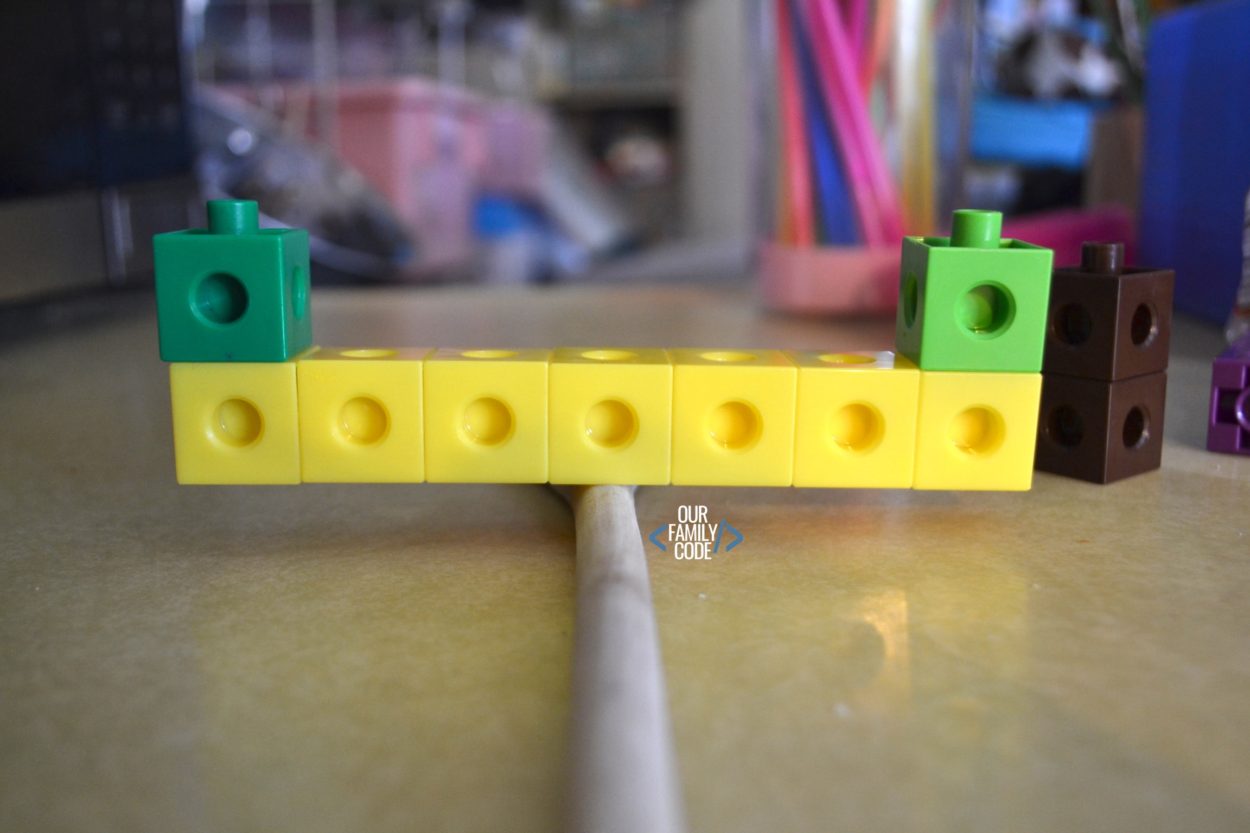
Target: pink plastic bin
x,y
518,142
423,146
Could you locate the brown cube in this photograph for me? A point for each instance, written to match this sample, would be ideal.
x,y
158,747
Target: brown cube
x,y
1100,431
1108,322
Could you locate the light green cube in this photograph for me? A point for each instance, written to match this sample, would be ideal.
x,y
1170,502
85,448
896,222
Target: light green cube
x,y
973,301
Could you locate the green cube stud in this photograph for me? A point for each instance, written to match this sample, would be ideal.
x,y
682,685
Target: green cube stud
x,y
974,300
232,292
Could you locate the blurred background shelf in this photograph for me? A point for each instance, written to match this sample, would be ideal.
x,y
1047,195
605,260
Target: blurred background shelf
x,y
504,141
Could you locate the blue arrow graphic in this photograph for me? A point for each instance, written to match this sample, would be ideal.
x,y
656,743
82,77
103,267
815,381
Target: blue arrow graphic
x,y
652,536
738,536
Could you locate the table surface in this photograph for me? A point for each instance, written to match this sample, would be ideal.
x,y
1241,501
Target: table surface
x,y
395,658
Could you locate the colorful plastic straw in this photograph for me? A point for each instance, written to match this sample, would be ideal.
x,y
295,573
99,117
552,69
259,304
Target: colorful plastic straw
x,y
870,59
797,210
870,184
835,218
855,14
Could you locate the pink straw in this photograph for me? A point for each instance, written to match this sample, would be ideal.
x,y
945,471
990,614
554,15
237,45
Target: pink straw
x,y
856,25
871,186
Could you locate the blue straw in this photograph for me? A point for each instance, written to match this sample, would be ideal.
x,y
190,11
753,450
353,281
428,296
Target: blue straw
x,y
837,220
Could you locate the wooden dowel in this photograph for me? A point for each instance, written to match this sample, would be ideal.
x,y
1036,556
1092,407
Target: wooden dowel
x,y
623,771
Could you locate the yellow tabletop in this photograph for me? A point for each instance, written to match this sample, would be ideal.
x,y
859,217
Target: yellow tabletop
x,y
395,658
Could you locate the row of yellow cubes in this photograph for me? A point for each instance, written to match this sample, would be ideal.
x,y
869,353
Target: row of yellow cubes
x,y
588,416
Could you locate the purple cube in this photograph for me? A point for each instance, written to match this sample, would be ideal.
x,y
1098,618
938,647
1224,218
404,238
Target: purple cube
x,y
1229,427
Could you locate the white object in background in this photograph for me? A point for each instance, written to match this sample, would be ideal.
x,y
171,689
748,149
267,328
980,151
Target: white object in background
x,y
579,203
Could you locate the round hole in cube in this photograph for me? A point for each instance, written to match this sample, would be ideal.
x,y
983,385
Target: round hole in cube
x,y
985,311
977,430
299,292
488,354
1241,409
1073,325
1065,427
1144,326
1136,430
911,299
237,423
220,298
609,355
857,427
611,424
487,421
369,353
734,426
363,421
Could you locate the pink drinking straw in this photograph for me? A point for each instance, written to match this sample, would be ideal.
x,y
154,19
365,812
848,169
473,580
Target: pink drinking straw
x,y
871,186
856,12
855,165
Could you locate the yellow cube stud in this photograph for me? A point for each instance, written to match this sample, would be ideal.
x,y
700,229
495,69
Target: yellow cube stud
x,y
733,417
360,415
486,416
977,430
856,424
610,416
235,423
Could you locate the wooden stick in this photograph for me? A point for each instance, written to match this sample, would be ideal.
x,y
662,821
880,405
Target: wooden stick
x,y
624,772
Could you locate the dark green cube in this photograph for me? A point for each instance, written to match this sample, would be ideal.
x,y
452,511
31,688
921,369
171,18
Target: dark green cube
x,y
973,301
232,292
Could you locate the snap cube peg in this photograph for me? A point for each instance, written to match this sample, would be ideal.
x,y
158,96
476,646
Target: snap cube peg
x,y
486,416
856,423
1101,431
974,301
610,416
976,430
235,422
733,417
232,292
360,415
1228,428
1108,321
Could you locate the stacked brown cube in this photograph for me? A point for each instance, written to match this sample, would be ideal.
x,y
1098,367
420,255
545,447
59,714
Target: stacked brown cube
x,y
1104,372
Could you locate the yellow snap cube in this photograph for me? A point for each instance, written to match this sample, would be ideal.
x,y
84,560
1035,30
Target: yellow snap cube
x,y
733,417
486,416
360,415
610,416
856,424
977,430
235,422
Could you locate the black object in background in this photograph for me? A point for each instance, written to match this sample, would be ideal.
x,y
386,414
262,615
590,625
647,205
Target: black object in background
x,y
95,154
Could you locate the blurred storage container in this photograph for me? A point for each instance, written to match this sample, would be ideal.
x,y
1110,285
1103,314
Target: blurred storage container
x,y
429,149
